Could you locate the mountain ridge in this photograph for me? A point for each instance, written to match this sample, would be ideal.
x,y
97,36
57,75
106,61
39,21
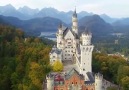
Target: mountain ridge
x,y
33,26
26,13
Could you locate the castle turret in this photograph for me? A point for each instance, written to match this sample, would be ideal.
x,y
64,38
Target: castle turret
x,y
86,54
98,81
86,38
75,22
60,29
50,82
60,37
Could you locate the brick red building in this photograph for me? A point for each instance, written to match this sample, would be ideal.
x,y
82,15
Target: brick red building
x,y
72,81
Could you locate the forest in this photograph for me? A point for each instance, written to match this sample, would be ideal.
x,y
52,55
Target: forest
x,y
114,68
24,62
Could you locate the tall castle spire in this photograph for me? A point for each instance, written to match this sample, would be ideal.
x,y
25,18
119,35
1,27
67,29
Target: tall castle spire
x,y
75,22
74,13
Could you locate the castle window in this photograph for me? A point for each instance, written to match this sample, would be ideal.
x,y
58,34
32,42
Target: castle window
x,y
84,63
83,69
90,50
69,42
87,49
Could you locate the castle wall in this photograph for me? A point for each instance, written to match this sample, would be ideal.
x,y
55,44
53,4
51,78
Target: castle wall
x,y
98,81
88,87
86,59
54,57
68,50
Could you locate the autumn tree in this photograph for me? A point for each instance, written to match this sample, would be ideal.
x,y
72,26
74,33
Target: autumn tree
x,y
123,71
57,66
125,83
24,63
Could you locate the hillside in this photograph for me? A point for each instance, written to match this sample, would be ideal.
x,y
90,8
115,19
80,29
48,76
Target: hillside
x,y
33,26
24,62
95,24
121,25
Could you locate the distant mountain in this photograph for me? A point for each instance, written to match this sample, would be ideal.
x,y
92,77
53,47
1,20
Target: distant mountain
x,y
45,19
28,11
95,24
84,13
9,10
121,25
124,21
33,26
108,19
11,20
48,24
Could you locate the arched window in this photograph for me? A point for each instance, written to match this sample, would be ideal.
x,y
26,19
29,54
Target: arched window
x,y
86,49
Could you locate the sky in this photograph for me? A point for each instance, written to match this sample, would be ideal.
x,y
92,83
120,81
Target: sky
x,y
113,8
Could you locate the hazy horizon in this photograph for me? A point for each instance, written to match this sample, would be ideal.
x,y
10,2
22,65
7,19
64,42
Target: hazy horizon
x,y
114,8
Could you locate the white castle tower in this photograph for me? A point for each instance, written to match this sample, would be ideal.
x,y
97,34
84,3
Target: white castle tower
x,y
59,36
75,22
98,81
50,82
86,53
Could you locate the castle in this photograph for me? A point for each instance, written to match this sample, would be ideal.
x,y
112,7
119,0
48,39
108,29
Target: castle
x,y
78,49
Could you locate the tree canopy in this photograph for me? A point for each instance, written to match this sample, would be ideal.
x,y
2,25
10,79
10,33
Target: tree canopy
x,y
57,66
24,62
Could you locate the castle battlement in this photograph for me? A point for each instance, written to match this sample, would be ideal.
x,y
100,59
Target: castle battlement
x,y
49,76
98,76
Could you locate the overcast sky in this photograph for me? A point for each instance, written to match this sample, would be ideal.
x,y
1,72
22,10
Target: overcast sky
x,y
114,8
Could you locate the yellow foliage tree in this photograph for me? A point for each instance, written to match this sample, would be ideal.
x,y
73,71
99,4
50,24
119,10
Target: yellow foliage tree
x,y
125,83
35,74
57,66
